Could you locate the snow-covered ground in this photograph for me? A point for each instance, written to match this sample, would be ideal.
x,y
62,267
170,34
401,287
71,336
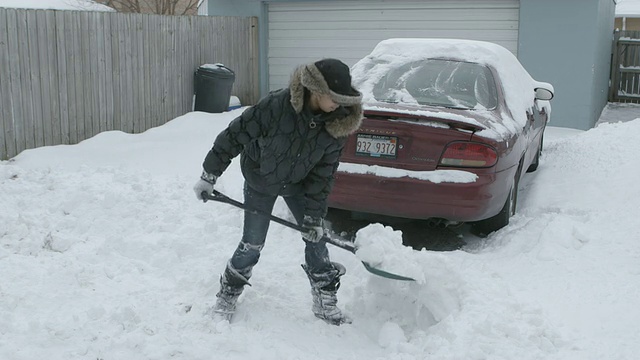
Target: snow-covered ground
x,y
105,253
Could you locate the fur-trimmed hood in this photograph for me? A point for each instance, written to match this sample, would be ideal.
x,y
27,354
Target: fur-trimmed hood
x,y
309,77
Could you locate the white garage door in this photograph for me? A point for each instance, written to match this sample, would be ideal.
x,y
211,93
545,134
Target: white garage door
x,y
301,32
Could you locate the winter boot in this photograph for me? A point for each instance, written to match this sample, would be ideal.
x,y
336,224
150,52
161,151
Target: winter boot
x,y
325,298
231,285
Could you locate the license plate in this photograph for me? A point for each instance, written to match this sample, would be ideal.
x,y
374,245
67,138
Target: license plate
x,y
376,146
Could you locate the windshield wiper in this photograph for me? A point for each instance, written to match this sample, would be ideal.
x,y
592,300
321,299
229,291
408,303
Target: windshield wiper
x,y
457,107
444,106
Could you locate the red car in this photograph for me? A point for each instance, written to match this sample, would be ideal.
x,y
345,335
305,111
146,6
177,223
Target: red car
x,y
450,127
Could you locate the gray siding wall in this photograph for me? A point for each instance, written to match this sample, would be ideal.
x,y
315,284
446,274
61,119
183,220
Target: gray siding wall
x,y
554,48
604,36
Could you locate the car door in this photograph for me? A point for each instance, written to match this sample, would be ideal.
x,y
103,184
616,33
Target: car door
x,y
536,119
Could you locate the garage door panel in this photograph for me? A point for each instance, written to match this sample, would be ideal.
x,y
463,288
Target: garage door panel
x,y
279,81
297,53
284,66
355,35
321,44
301,32
401,25
386,15
407,5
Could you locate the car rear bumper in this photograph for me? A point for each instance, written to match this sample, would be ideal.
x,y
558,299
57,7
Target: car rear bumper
x,y
419,199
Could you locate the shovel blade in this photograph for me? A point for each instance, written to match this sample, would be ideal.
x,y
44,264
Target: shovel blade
x,y
385,274
343,243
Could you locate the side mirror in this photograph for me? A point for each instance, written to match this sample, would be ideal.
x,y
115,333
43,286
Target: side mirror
x,y
543,94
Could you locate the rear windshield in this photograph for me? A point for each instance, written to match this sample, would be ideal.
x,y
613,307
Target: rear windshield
x,y
438,82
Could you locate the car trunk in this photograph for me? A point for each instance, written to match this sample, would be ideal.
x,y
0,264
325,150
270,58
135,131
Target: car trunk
x,y
403,141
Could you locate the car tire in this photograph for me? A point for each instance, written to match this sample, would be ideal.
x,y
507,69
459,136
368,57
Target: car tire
x,y
485,227
534,165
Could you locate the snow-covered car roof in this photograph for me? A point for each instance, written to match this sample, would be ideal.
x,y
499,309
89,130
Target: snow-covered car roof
x,y
393,53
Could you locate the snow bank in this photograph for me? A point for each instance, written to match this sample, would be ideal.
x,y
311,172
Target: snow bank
x,y
106,253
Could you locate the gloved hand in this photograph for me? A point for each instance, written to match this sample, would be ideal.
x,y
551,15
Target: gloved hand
x,y
314,228
205,184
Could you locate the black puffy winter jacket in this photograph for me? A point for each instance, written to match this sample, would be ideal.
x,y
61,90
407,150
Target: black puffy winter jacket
x,y
285,149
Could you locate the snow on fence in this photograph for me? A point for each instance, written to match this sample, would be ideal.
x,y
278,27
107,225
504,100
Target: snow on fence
x,y
625,67
66,76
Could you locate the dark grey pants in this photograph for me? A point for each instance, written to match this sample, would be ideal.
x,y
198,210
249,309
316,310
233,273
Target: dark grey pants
x,y
246,256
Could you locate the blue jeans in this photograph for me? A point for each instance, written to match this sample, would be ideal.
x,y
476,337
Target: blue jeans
x,y
246,256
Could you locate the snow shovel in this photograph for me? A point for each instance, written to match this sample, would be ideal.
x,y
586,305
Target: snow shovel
x,y
329,237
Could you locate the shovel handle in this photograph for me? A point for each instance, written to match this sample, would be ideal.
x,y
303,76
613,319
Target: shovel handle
x,y
217,196
329,237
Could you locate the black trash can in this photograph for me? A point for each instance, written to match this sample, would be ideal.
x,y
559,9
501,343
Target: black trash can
x,y
213,85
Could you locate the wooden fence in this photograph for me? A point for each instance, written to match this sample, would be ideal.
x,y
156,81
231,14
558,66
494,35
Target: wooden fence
x,y
66,76
625,67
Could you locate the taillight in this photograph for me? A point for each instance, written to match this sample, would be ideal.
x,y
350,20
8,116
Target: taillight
x,y
467,154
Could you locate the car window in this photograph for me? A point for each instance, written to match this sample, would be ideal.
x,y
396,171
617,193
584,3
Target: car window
x,y
439,82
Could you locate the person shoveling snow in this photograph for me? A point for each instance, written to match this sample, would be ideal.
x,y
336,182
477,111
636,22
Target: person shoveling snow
x,y
290,144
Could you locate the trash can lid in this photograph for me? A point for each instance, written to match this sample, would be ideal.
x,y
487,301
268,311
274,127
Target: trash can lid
x,y
217,69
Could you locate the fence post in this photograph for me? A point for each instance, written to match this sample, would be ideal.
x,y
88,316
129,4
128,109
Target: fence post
x,y
614,82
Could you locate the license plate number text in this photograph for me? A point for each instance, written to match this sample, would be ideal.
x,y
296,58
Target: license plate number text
x,y
376,145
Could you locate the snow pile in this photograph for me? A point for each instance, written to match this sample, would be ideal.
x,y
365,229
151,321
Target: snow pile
x,y
448,297
106,253
381,247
